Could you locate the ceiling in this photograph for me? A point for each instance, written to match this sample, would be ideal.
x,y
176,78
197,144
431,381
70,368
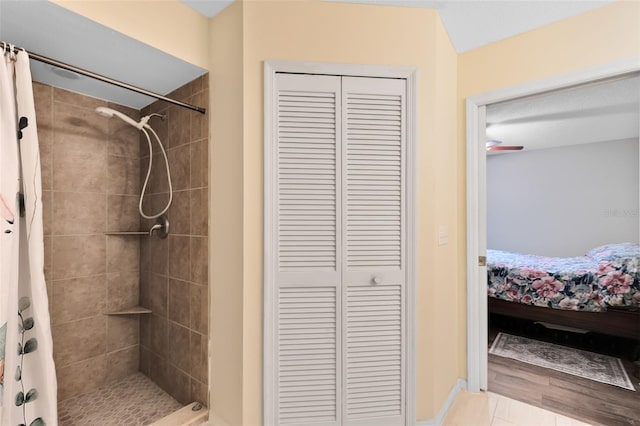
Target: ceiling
x,y
51,30
596,112
474,23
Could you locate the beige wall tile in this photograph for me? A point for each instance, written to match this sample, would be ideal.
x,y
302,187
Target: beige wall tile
x,y
158,335
199,260
199,309
122,290
199,121
76,170
43,99
79,340
144,290
47,211
179,257
179,126
199,163
145,367
182,93
47,259
77,256
196,86
198,353
179,213
122,331
79,149
180,164
123,253
179,385
81,377
182,257
179,302
159,371
122,213
145,331
199,211
78,298
123,363
77,99
123,139
76,213
199,392
123,175
74,142
158,290
158,178
179,347
46,158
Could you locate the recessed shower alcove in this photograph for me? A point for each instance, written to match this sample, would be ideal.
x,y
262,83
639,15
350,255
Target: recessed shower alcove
x,y
123,303
129,311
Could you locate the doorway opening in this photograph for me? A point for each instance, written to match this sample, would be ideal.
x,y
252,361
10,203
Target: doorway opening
x,y
477,305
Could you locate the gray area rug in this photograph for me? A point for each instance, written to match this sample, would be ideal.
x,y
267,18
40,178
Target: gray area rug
x,y
601,368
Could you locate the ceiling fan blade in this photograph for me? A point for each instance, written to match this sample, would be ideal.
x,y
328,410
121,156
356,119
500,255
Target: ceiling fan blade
x,y
505,148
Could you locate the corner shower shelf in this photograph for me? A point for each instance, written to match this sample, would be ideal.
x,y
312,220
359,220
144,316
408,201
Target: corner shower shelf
x,y
131,311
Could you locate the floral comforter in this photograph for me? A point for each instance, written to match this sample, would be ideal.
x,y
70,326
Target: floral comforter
x,y
606,276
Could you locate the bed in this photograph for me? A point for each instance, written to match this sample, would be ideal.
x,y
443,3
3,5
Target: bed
x,y
599,291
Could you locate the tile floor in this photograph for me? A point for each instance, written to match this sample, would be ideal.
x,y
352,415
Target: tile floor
x,y
134,401
490,409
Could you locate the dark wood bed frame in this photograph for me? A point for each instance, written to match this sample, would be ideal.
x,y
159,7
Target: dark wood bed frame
x,y
614,322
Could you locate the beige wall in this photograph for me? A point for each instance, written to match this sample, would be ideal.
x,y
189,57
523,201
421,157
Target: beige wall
x,y
365,34
227,204
600,36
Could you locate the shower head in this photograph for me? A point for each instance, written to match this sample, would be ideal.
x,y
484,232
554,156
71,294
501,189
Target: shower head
x,y
108,112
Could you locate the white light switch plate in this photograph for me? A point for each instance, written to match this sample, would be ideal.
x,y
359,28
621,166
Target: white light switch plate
x,y
443,235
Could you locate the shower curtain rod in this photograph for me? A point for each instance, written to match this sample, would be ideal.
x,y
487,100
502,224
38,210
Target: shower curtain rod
x,y
46,60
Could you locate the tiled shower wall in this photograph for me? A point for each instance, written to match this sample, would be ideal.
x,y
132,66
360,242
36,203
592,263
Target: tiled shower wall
x,y
90,180
173,271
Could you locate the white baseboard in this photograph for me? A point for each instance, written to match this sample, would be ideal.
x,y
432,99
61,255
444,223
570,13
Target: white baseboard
x,y
437,421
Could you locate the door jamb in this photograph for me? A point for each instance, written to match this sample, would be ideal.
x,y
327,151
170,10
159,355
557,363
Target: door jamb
x,y
477,327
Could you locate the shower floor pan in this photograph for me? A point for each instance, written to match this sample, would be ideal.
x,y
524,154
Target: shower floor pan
x,y
134,401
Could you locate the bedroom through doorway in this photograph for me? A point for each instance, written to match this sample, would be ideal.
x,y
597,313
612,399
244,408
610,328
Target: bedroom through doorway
x,y
563,250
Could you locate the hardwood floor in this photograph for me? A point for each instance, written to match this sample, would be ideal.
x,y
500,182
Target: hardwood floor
x,y
583,399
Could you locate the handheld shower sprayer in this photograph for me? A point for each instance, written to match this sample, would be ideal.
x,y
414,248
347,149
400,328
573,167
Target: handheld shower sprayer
x,y
143,127
108,112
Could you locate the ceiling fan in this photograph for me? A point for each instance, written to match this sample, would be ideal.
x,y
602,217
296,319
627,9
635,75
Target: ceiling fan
x,y
496,145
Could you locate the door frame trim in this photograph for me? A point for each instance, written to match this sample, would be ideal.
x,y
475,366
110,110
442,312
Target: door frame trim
x,y
410,74
477,327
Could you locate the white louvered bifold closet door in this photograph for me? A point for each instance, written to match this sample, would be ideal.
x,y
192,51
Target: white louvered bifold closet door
x,y
308,194
339,256
373,279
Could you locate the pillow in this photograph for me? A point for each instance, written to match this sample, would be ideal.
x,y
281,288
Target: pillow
x,y
615,251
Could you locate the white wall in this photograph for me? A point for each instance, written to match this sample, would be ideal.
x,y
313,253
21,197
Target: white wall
x,y
563,201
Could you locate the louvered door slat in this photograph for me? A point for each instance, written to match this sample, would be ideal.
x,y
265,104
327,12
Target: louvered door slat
x,y
306,120
307,250
373,257
339,251
300,375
